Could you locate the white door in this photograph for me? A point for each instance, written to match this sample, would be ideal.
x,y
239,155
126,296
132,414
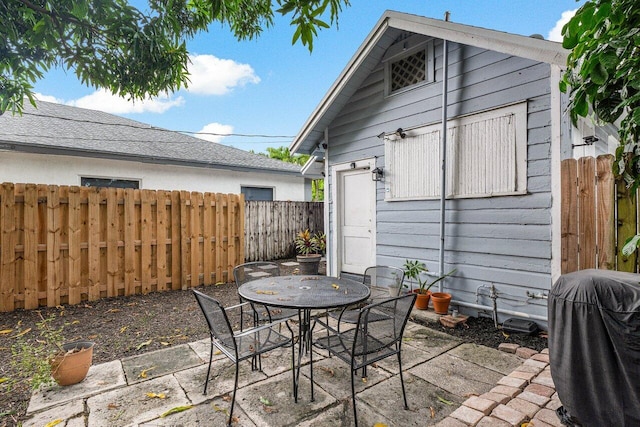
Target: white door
x,y
356,220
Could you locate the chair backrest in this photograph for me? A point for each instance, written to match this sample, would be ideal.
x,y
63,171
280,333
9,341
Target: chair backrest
x,y
249,271
389,318
217,320
383,276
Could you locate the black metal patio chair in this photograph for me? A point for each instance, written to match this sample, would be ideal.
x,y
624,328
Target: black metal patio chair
x,y
249,271
238,345
366,344
378,278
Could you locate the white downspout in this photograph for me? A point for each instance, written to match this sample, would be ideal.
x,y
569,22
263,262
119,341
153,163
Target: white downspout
x,y
443,151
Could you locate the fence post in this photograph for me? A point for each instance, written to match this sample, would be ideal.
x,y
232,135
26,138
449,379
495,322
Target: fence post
x,y
627,226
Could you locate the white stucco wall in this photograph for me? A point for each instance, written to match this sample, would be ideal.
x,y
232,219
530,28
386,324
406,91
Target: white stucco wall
x,y
67,170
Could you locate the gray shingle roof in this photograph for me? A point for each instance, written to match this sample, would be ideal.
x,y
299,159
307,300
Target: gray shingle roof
x,y
62,129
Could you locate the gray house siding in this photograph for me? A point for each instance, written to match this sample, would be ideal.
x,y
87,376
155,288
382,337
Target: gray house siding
x,y
505,241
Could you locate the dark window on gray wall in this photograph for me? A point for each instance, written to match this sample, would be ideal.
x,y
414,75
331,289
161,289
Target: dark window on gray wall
x,y
257,193
109,182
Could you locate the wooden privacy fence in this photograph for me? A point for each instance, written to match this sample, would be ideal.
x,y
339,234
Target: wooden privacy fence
x,y
61,244
598,216
271,227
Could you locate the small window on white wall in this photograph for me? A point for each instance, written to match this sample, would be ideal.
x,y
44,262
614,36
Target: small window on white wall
x,y
486,156
257,193
109,182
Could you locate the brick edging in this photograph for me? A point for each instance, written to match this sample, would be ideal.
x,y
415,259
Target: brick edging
x,y
526,394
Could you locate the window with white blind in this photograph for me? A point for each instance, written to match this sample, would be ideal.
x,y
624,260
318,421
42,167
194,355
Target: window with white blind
x,y
486,156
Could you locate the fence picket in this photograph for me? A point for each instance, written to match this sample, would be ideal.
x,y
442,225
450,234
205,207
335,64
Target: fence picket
x,y
30,252
219,237
146,224
605,237
54,273
7,247
161,240
185,257
112,242
587,212
207,236
176,243
94,245
129,242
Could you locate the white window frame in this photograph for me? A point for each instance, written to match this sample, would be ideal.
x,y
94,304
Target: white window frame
x,y
418,165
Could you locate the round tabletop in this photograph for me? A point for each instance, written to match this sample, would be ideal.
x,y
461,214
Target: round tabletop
x,y
304,292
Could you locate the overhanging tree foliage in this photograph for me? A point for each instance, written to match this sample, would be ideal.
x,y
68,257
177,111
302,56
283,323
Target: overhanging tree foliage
x,y
130,52
283,153
603,74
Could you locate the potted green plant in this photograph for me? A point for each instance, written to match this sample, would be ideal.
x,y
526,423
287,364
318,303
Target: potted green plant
x,y
47,358
309,248
413,270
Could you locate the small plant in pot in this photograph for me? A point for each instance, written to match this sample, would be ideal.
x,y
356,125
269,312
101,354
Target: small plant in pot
x,y
47,358
413,271
309,248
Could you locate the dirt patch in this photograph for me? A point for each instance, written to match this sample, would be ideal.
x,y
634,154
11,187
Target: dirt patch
x,y
133,325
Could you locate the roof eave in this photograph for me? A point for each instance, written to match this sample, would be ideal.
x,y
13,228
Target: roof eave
x,y
339,84
13,146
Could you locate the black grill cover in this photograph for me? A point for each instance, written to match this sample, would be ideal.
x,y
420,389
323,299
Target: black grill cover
x,y
594,346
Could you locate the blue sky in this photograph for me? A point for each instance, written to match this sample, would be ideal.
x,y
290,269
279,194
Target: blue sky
x,y
269,87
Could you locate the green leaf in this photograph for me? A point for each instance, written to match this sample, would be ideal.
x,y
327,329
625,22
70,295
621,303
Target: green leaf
x,y
580,105
630,245
176,410
445,401
265,401
563,86
599,74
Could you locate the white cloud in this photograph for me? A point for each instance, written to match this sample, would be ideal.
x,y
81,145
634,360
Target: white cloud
x,y
109,103
210,75
556,32
217,128
48,98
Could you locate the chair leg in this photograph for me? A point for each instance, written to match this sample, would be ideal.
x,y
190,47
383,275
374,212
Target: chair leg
x,y
206,380
293,370
353,398
404,394
233,398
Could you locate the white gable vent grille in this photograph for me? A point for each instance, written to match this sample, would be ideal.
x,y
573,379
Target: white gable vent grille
x,y
408,71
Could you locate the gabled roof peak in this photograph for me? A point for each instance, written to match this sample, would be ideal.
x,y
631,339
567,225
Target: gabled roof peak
x,y
390,26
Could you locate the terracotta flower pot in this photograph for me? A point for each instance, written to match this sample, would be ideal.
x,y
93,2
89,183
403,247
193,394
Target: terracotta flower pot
x,y
422,300
73,366
441,302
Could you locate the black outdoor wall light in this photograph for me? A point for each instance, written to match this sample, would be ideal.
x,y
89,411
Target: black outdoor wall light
x,y
377,174
401,133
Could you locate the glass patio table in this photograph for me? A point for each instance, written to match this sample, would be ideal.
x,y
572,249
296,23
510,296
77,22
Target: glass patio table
x,y
304,293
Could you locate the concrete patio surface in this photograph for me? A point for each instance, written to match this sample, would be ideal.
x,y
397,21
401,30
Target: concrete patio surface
x,y
449,384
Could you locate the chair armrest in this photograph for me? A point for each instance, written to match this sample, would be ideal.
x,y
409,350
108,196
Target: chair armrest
x,y
262,327
232,307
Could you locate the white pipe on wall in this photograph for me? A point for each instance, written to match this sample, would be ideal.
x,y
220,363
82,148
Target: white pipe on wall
x,y
443,151
499,310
